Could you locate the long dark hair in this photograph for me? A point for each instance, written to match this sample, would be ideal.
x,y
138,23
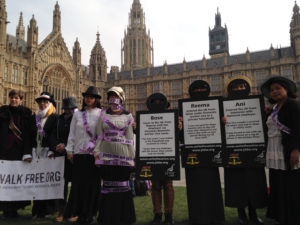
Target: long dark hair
x,y
97,104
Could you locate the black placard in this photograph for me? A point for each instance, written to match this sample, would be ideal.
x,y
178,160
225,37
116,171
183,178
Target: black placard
x,y
203,135
157,145
245,131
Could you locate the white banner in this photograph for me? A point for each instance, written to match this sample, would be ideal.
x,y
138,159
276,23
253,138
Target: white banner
x,y
39,180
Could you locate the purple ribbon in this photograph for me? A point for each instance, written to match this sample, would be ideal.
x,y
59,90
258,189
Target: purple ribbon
x,y
39,125
108,155
116,183
119,133
114,160
114,127
281,126
117,140
89,148
115,186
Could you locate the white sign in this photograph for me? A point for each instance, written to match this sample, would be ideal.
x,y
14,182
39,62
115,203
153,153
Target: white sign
x,y
39,180
201,121
244,121
157,135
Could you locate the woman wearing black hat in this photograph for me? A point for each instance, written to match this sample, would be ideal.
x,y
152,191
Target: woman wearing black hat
x,y
44,123
61,133
204,193
15,141
244,186
283,151
84,195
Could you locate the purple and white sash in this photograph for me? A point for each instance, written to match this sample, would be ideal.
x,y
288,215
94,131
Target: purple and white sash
x,y
89,148
280,126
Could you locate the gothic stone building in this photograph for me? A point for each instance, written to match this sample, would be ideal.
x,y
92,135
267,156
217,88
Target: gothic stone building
x,y
33,66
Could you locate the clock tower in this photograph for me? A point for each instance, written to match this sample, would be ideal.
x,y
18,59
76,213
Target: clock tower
x,y
218,38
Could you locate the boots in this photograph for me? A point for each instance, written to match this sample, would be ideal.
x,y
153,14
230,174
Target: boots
x,y
243,220
168,219
157,219
253,216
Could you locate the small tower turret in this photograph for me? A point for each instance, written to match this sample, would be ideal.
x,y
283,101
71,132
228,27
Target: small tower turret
x,y
20,31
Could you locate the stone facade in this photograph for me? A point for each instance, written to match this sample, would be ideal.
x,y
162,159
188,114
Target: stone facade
x,y
32,66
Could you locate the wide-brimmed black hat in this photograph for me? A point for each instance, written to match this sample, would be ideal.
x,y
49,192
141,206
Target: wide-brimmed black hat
x,y
155,96
92,91
199,84
69,103
47,96
288,84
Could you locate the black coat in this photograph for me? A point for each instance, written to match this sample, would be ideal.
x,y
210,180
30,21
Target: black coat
x,y
289,115
23,115
61,132
49,140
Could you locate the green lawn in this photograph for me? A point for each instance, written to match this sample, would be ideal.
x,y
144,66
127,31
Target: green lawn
x,y
143,207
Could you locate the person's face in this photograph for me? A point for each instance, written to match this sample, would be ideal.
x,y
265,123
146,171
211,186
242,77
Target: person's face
x,y
238,87
113,96
200,89
43,104
15,101
68,111
89,101
278,93
158,101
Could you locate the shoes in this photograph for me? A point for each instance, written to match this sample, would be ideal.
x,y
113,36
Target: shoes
x,y
253,216
257,221
243,220
59,219
168,219
157,219
73,219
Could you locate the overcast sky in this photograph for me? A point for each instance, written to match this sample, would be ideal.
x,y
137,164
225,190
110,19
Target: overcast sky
x,y
179,28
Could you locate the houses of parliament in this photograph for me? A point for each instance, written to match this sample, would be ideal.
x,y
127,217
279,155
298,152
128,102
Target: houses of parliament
x,y
32,65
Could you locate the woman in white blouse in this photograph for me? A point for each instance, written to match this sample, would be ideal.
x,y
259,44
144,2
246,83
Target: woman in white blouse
x,y
81,143
114,154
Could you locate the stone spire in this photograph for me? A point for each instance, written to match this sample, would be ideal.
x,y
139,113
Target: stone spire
x,y
3,22
137,46
32,34
56,19
98,62
77,53
20,31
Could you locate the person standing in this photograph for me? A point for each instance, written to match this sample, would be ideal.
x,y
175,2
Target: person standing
x,y
61,134
15,141
204,193
84,195
244,187
157,102
115,154
283,151
44,123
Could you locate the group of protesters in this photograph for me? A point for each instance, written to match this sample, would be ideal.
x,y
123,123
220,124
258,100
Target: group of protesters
x,y
98,145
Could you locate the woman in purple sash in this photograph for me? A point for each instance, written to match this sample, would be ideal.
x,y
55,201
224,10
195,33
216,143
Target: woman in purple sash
x,y
114,154
15,141
84,195
283,153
